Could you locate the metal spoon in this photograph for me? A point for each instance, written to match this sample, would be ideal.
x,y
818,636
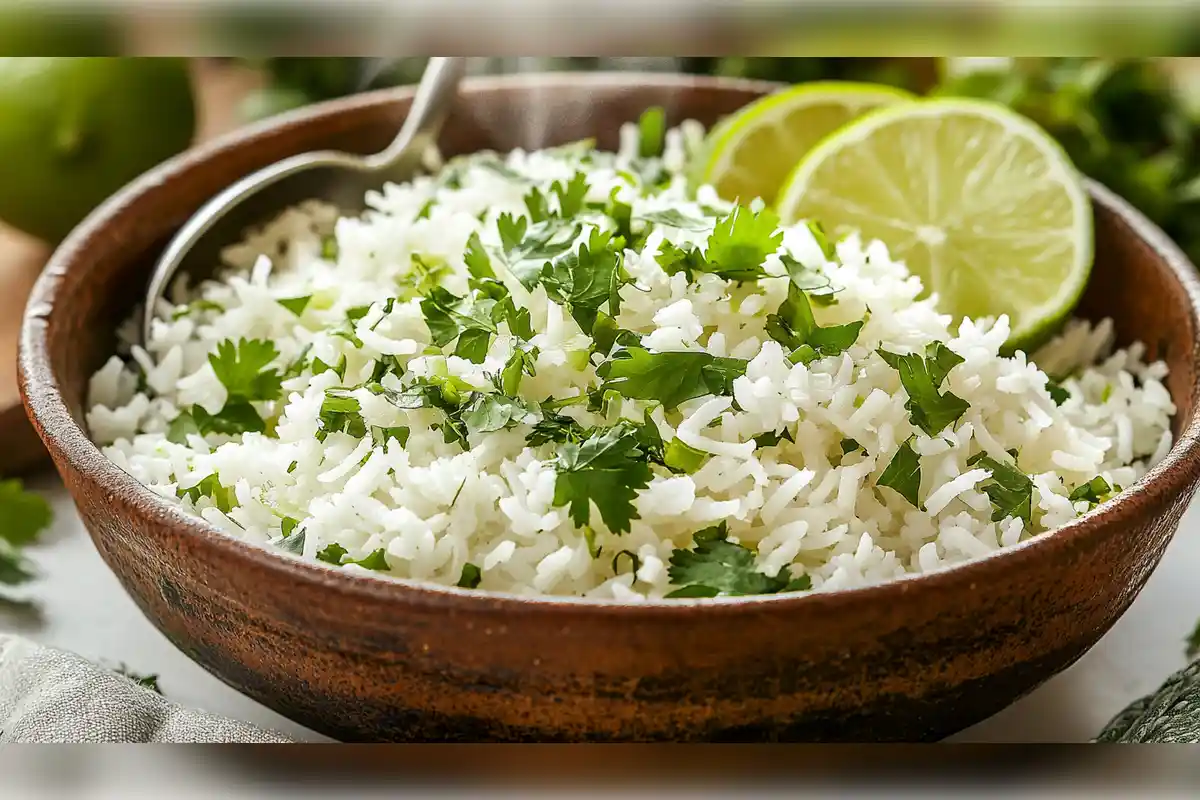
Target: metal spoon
x,y
341,178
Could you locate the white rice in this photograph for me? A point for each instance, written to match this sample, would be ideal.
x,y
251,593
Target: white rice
x,y
433,507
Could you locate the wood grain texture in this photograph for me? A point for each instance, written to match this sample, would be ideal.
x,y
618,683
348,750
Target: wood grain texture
x,y
219,89
370,659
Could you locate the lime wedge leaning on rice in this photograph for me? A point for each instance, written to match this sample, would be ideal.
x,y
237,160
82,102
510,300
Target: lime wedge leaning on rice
x,y
748,153
981,203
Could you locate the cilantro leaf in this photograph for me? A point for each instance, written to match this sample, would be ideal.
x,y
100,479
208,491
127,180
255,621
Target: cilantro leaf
x,y
23,514
1057,392
773,438
1192,643
903,474
519,364
584,280
1009,489
669,378
493,412
470,577
1094,491
794,327
341,412
479,264
376,560
849,446
223,497
470,321
570,195
718,566
811,281
555,427
673,258
679,457
241,367
741,242
929,409
527,247
608,469
296,305
235,418
332,554
329,247
652,132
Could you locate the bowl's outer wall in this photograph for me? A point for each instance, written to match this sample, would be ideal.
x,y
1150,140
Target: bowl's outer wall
x,y
363,659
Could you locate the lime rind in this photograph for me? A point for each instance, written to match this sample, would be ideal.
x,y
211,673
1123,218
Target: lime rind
x,y
1031,325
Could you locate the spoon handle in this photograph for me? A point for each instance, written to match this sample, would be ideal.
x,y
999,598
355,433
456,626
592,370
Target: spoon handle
x,y
430,106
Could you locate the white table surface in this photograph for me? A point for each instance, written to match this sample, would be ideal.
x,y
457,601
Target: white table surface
x,y
87,611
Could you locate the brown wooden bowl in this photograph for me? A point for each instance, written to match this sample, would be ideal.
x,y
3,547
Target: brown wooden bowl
x,y
363,658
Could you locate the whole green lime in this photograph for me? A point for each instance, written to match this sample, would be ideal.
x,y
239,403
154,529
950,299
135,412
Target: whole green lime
x,y
75,130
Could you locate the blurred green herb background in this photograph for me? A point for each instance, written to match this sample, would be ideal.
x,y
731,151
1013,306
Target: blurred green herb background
x,y
1129,123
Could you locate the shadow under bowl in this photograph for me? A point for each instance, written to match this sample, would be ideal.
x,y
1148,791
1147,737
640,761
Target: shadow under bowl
x,y
372,659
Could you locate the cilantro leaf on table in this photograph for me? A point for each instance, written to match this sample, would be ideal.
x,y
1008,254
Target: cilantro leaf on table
x,y
716,566
670,378
470,577
930,409
608,469
1009,489
903,474
586,279
794,327
1095,491
242,368
23,514
741,242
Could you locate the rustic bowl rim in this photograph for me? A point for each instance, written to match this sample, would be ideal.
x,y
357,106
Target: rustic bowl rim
x,y
48,410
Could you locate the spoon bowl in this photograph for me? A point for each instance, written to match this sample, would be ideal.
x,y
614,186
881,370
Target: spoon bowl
x,y
342,179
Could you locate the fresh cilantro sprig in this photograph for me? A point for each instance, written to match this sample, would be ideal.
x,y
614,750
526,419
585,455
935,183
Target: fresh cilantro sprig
x,y
587,279
717,566
606,469
737,247
930,409
242,368
468,320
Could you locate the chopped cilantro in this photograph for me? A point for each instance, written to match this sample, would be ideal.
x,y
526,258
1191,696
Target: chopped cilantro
x,y
818,233
235,418
195,307
527,247
23,514
479,264
555,427
376,560
680,457
849,446
586,279
1057,393
608,469
449,318
670,378
929,409
296,305
470,577
242,369
652,132
718,566
773,438
903,473
332,554
814,283
492,412
1009,489
795,327
519,364
341,412
741,242
570,195
223,497
1094,491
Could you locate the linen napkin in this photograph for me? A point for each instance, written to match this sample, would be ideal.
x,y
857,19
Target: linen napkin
x,y
49,695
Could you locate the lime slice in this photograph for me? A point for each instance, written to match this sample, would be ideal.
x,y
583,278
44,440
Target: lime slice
x,y
748,154
979,202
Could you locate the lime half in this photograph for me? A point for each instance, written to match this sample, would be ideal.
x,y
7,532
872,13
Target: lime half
x,y
749,153
981,203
